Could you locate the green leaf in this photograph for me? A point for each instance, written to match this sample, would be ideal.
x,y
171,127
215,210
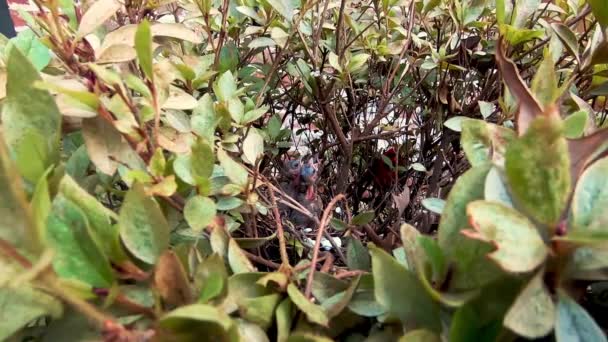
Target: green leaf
x,y
335,305
97,215
418,167
158,163
202,320
254,114
202,160
235,171
600,11
472,269
435,205
357,257
78,256
16,224
261,42
401,293
523,11
544,85
590,198
455,123
29,112
483,142
284,7
506,228
77,166
143,46
31,157
26,304
143,228
225,87
357,62
420,335
239,263
495,188
575,124
363,218
199,212
27,42
573,323
538,170
229,58
533,313
41,205
236,109
253,146
334,61
313,312
517,36
210,277
284,315
204,120
486,109
568,38
260,310
254,242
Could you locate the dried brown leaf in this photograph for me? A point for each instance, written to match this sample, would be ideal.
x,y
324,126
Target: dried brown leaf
x,y
171,281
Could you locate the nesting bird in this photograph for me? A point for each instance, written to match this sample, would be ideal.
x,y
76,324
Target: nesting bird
x,y
301,182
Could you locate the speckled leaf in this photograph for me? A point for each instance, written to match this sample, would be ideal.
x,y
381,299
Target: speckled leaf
x,y
16,224
29,111
544,84
235,171
538,170
532,315
99,217
143,227
199,212
472,269
22,305
78,255
483,142
519,246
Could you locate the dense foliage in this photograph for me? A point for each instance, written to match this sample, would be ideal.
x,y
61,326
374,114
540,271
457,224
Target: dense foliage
x,y
413,170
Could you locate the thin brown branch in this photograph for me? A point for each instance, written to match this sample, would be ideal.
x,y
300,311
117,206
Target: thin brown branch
x,y
320,230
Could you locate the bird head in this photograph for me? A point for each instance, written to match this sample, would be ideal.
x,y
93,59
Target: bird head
x,y
292,169
309,175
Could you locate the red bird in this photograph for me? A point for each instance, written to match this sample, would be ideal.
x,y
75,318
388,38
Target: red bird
x,y
385,175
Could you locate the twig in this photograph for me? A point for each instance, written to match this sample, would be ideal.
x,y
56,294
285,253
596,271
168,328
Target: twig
x,y
261,260
315,252
280,231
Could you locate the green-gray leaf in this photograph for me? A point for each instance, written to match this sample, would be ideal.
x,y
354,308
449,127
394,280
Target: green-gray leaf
x,y
574,324
401,293
538,170
78,255
143,227
29,112
507,228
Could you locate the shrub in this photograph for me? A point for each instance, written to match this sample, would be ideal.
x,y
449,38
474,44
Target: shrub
x,y
143,154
